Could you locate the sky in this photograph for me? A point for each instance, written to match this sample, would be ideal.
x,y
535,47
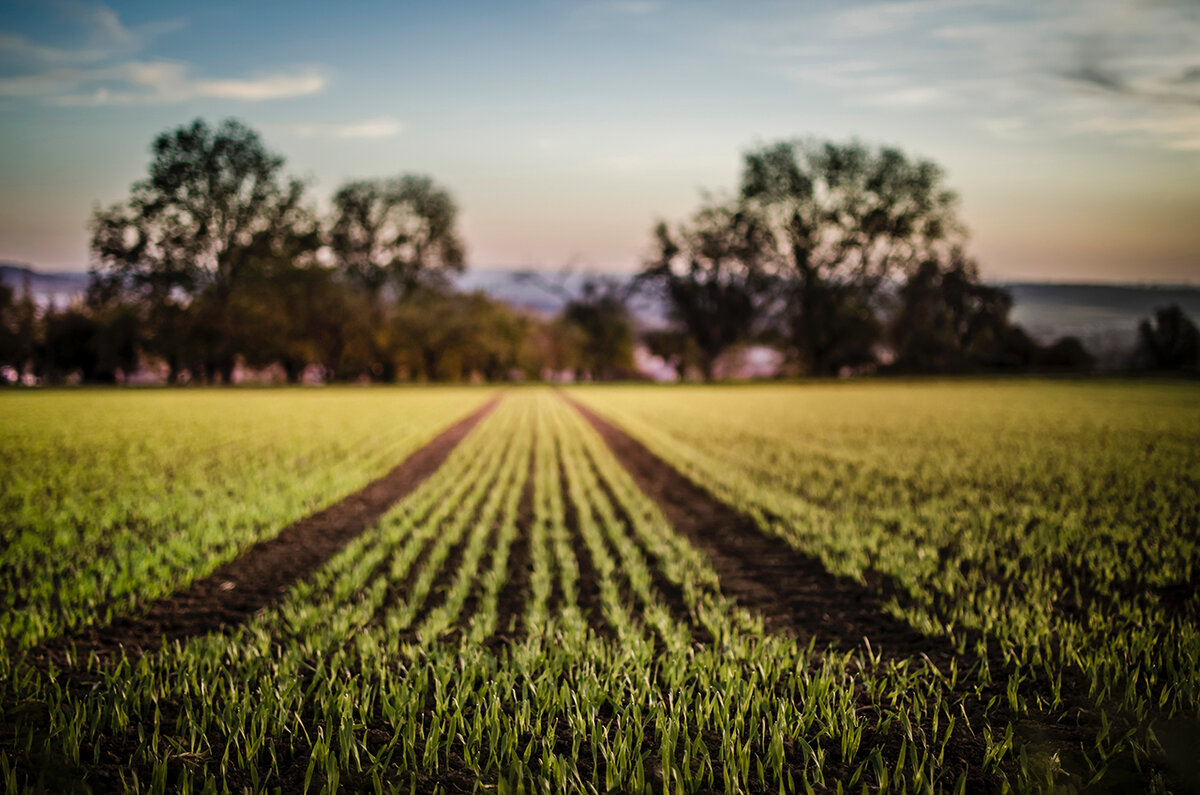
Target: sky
x,y
566,129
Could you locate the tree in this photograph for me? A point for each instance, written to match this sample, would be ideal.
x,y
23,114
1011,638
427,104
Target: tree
x,y
214,202
948,320
20,329
398,232
841,220
1170,341
396,236
715,275
604,330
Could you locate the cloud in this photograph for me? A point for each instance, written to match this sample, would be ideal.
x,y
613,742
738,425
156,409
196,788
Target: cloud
x,y
1172,128
381,127
994,61
103,37
911,97
1097,77
1006,127
875,19
154,83
375,128
276,86
634,7
100,72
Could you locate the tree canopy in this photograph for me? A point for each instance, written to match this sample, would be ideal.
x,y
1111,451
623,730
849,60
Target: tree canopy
x,y
396,232
845,254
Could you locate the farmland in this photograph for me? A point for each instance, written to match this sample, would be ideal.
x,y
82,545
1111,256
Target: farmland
x,y
909,586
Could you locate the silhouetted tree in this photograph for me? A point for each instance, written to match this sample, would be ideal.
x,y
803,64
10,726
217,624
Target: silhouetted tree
x,y
605,335
197,227
450,336
716,275
10,336
842,219
20,330
1065,354
398,232
394,235
948,320
1169,341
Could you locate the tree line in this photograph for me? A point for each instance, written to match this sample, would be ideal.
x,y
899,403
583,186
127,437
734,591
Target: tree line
x,y
847,258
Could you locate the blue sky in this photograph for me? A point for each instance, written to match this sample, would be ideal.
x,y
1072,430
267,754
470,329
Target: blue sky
x,y
1071,130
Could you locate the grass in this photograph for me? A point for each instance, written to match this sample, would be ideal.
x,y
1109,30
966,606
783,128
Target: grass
x,y
1056,523
1031,523
109,499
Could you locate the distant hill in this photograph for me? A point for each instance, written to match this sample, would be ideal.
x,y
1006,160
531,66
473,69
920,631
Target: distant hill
x,y
1104,316
61,288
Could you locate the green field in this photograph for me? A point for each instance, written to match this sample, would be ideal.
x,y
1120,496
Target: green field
x,y
530,619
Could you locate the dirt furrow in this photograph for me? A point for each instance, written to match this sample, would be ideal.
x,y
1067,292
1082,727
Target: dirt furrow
x,y
791,591
588,585
262,574
671,593
511,601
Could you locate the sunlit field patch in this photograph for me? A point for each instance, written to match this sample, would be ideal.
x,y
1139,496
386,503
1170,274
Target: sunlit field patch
x,y
530,617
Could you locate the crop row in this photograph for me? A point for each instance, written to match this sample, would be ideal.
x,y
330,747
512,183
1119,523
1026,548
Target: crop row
x,y
111,499
1049,531
527,618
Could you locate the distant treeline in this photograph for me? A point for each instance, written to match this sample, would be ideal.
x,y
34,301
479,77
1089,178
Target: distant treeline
x,y
846,258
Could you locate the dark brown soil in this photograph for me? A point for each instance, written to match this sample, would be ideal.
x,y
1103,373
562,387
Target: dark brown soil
x,y
443,580
791,591
510,602
796,595
588,584
264,572
669,593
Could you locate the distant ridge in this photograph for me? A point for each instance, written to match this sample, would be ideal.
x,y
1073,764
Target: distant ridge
x,y
1104,316
60,288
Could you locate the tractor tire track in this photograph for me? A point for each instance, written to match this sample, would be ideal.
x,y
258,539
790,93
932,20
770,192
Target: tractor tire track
x,y
793,592
262,574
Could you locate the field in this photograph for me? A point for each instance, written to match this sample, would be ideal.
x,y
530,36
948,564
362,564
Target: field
x,y
955,586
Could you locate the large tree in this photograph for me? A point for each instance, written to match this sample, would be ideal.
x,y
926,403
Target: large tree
x,y
193,232
396,232
1170,341
394,238
716,275
843,219
604,328
947,320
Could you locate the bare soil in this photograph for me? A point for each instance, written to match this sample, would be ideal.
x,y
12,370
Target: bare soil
x,y
511,601
791,591
262,574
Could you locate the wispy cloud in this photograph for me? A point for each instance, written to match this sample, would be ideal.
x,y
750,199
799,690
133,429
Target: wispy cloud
x,y
102,36
997,62
878,18
101,72
380,127
1005,127
154,83
634,7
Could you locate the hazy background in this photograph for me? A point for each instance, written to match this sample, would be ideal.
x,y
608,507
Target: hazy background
x,y
1071,130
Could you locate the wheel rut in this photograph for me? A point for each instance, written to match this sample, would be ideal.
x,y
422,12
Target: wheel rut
x,y
793,592
262,574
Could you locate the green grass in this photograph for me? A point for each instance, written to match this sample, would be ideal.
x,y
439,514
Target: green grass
x,y
980,499
109,498
1059,521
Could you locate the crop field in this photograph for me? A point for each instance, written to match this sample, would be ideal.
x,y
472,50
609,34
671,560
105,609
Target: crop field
x,y
923,586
